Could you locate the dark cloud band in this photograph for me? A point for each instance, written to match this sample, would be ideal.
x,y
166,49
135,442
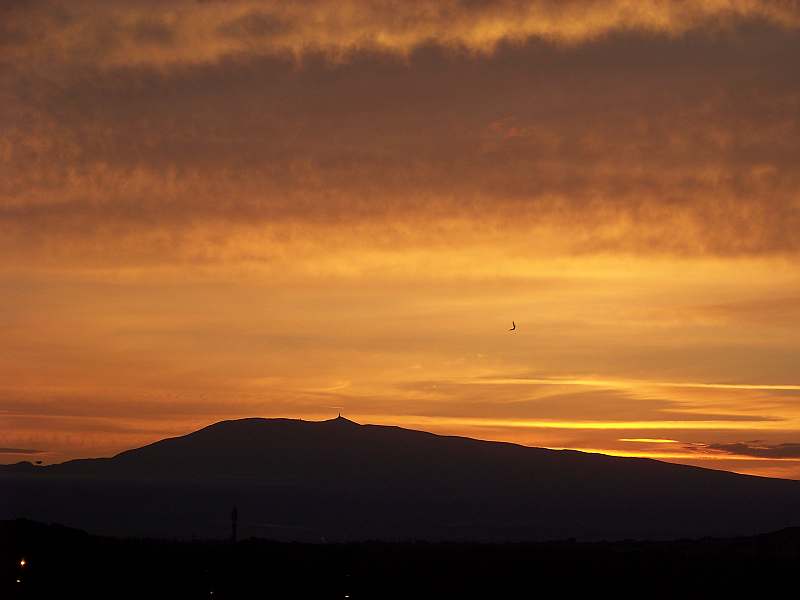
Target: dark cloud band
x,y
20,451
788,450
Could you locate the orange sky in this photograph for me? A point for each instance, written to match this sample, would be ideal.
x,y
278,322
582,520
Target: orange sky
x,y
222,209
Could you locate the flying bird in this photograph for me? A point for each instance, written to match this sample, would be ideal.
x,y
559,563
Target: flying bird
x,y
513,326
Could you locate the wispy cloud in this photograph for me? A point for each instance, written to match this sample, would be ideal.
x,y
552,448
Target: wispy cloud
x,y
20,451
181,31
775,451
632,383
632,425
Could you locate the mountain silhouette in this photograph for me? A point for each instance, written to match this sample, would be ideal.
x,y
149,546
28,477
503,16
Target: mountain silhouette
x,y
338,480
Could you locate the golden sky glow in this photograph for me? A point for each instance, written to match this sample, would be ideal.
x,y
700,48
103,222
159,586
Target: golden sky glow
x,y
218,209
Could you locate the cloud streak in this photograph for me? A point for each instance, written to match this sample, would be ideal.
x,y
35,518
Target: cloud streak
x,y
773,451
122,32
630,384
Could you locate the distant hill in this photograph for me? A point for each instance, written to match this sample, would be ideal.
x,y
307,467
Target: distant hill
x,y
338,480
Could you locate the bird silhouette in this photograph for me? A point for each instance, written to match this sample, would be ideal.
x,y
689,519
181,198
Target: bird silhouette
x,y
513,326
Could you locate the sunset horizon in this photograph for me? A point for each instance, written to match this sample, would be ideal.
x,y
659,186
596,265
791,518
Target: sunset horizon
x,y
567,225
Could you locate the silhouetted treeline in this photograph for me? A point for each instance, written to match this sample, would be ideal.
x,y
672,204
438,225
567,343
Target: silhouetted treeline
x,y
67,563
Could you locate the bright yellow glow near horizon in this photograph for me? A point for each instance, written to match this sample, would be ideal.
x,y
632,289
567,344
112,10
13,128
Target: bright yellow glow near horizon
x,y
649,440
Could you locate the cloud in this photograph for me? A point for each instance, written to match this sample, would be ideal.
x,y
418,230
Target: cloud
x,y
632,145
759,450
545,400
19,451
122,32
152,31
254,24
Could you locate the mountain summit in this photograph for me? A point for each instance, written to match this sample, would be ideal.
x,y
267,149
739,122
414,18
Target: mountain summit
x,y
336,479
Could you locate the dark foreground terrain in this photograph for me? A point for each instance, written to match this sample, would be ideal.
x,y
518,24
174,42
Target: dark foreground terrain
x,y
67,563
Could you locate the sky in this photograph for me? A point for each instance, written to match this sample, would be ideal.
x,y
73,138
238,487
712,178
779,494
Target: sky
x,y
216,209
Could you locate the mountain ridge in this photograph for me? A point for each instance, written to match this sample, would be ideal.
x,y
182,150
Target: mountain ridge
x,y
342,421
375,481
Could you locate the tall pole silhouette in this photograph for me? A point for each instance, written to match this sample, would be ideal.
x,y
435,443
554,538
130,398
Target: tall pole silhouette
x,y
234,523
